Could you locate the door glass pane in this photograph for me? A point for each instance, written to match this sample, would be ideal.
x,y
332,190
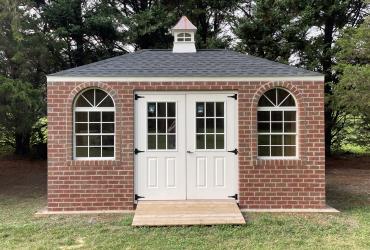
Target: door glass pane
x,y
210,109
171,126
152,142
219,125
220,141
161,142
161,109
210,125
219,109
210,130
152,109
200,109
161,123
200,142
171,142
200,125
210,141
151,125
171,109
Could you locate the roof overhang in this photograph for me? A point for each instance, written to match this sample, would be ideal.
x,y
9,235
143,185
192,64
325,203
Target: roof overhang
x,y
52,78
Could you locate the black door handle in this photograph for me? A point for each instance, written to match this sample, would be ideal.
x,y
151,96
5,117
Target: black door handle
x,y
189,152
235,151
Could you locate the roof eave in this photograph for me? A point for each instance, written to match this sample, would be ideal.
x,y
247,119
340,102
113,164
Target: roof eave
x,y
56,78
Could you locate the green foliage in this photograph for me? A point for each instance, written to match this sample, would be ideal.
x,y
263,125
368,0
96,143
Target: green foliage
x,y
306,32
352,93
21,106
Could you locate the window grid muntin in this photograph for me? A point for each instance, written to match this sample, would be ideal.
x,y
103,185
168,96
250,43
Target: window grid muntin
x,y
214,133
89,110
184,37
157,134
282,109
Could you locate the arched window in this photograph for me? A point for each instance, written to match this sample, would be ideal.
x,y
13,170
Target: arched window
x,y
94,125
184,37
277,124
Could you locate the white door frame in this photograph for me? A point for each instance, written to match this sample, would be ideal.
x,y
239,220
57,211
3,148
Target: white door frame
x,y
185,93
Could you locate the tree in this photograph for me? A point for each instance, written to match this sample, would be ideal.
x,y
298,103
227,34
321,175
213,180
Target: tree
x,y
305,31
352,93
21,106
88,30
151,20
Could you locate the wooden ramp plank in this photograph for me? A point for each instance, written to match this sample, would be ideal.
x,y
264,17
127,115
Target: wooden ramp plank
x,y
188,212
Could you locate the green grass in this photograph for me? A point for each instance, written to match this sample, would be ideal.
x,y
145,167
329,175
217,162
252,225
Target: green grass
x,y
19,229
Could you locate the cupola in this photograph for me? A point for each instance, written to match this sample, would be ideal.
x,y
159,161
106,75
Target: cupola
x,y
184,36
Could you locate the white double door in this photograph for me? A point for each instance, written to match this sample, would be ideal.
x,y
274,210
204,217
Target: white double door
x,y
182,144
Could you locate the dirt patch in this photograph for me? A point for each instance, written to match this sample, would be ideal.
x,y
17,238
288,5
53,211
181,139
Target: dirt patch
x,y
22,177
349,174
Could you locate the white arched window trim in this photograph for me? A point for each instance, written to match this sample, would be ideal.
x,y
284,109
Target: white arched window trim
x,y
103,122
283,109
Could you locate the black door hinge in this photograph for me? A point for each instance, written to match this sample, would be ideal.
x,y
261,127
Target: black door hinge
x,y
138,96
138,197
235,151
235,196
235,96
136,151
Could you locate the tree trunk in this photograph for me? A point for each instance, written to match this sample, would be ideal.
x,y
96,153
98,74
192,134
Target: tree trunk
x,y
22,144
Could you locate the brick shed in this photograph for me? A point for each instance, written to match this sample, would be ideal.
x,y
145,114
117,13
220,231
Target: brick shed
x,y
185,124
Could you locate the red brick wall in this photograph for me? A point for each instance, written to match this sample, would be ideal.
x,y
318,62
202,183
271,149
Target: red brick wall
x,y
108,185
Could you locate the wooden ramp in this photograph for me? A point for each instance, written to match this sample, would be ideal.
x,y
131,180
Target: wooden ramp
x,y
187,212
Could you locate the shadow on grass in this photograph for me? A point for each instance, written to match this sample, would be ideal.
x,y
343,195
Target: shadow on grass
x,y
346,201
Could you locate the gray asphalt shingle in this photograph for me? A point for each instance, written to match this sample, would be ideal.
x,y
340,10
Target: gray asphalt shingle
x,y
203,63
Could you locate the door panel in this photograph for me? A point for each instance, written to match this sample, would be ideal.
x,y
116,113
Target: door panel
x,y
160,170
185,138
211,132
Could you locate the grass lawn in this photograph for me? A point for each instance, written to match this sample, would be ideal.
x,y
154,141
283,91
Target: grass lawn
x,y
22,193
